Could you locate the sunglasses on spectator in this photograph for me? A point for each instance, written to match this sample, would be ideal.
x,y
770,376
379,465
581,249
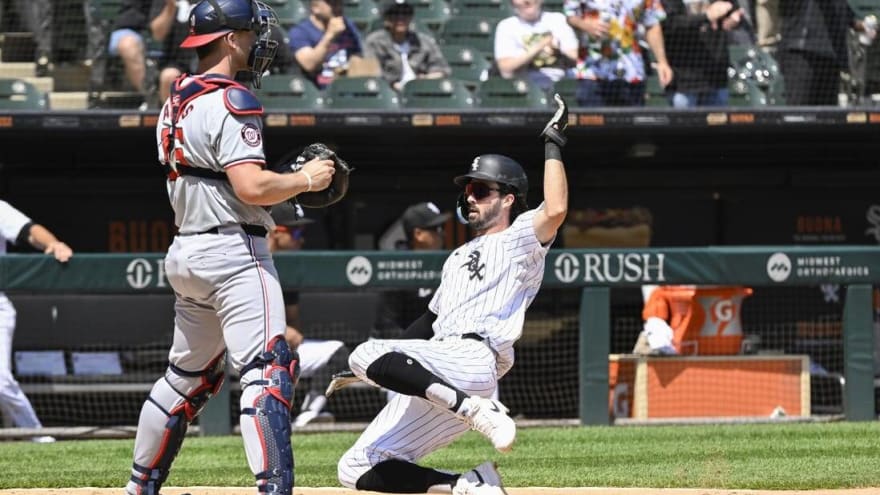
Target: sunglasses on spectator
x,y
479,190
296,232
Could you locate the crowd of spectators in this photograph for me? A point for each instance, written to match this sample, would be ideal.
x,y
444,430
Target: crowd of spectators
x,y
612,50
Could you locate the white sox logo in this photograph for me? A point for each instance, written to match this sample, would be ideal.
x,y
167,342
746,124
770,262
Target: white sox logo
x,y
359,270
476,164
473,265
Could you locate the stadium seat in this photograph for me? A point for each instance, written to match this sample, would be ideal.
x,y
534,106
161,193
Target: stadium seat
x,y
746,93
430,14
289,12
362,13
437,93
567,89
17,94
476,32
487,9
865,7
496,92
655,94
360,93
553,5
467,64
284,91
757,79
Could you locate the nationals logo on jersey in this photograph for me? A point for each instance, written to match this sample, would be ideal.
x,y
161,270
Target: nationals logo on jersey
x,y
251,135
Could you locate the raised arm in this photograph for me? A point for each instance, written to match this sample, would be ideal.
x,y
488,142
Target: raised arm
x,y
548,219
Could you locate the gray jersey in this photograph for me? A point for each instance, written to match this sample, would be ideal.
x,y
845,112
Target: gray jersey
x,y
211,137
488,283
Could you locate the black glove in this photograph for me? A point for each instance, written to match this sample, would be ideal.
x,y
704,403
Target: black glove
x,y
338,186
553,132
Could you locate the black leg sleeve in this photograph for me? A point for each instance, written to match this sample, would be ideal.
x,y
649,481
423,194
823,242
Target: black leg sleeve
x,y
395,476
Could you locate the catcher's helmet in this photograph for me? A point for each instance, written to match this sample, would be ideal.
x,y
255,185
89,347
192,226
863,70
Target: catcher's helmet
x,y
211,19
497,168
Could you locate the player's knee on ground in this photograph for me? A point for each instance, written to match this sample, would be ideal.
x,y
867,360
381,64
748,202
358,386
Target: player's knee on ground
x,y
355,471
267,385
351,466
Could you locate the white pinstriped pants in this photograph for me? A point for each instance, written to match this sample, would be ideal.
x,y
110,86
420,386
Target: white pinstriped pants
x,y
409,428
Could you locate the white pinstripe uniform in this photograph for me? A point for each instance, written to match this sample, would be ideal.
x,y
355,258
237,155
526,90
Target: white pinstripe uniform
x,y
13,403
486,286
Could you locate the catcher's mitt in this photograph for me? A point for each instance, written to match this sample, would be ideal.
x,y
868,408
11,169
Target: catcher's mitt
x,y
337,188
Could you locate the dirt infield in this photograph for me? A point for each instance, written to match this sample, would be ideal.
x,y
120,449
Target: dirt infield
x,y
207,490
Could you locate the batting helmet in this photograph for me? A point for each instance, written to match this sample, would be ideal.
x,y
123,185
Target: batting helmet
x,y
495,168
211,19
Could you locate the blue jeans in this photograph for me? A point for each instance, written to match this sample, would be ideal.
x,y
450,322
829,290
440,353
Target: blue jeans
x,y
599,93
712,98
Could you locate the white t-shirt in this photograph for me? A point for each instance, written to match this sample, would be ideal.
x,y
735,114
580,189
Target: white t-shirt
x,y
513,36
11,223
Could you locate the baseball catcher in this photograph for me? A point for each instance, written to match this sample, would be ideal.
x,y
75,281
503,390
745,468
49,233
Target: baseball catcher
x,y
338,186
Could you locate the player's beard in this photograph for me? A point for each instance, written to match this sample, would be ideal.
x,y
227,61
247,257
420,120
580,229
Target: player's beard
x,y
483,220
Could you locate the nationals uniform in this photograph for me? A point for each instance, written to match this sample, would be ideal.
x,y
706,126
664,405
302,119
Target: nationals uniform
x,y
228,299
15,406
485,288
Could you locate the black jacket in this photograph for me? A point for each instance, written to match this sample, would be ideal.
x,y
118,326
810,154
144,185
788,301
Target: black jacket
x,y
817,27
696,52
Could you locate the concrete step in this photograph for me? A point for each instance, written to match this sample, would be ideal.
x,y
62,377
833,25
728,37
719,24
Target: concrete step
x,y
44,84
71,100
17,69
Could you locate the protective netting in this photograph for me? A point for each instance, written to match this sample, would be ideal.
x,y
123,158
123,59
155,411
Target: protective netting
x,y
87,372
720,53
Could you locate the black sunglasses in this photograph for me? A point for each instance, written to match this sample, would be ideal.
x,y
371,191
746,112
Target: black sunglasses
x,y
479,190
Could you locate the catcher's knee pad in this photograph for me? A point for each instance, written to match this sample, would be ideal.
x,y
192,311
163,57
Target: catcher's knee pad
x,y
267,385
175,400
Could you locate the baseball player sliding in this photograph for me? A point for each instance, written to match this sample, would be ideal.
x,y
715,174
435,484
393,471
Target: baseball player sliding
x,y
450,359
229,300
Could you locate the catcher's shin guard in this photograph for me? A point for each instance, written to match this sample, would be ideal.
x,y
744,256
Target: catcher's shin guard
x,y
175,400
267,385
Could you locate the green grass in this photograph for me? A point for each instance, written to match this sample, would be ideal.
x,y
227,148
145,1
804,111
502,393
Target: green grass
x,y
791,456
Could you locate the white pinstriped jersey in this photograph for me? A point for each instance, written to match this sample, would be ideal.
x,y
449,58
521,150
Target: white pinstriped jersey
x,y
213,138
11,223
488,283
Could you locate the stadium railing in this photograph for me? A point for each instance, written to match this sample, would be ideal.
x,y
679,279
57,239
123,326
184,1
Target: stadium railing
x,y
585,315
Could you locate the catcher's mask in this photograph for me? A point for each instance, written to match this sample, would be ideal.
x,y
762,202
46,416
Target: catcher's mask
x,y
495,168
211,19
